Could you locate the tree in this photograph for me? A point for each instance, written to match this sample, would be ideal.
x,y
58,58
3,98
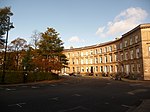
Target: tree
x,y
50,50
17,46
4,25
35,39
27,62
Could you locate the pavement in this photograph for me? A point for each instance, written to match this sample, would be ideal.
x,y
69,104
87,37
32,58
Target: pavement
x,y
33,83
143,107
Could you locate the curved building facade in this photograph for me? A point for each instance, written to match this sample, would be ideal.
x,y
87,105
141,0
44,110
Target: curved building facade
x,y
129,54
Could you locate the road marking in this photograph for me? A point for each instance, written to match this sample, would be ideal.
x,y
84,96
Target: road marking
x,y
137,91
53,85
65,83
34,87
81,108
17,104
24,86
106,103
7,89
76,95
108,83
135,84
126,106
55,98
112,97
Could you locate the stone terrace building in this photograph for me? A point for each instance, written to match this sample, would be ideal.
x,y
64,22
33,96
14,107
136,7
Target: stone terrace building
x,y
129,54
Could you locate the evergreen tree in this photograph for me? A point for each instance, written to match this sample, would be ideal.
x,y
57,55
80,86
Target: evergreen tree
x,y
50,49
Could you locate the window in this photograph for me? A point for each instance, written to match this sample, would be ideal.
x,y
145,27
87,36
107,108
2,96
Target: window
x,y
82,61
111,68
73,69
91,52
131,54
137,53
105,59
96,69
126,43
101,68
132,68
78,54
82,69
111,58
115,47
115,57
87,69
73,54
68,55
100,50
96,60
73,61
100,59
121,56
138,68
106,69
91,61
96,51
81,53
136,39
149,50
116,68
105,49
86,53
131,41
126,55
86,61
77,61
110,48
78,69
120,45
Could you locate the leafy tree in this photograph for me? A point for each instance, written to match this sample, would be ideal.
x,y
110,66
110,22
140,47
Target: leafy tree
x,y
27,62
17,46
50,50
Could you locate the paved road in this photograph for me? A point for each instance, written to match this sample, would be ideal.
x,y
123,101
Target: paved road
x,y
75,94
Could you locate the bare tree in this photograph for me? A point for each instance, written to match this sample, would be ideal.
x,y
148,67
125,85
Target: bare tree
x,y
35,39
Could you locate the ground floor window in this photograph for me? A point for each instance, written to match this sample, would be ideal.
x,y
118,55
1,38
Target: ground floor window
x,y
149,50
96,69
87,69
132,68
138,68
82,69
116,68
127,68
101,68
73,69
111,69
105,69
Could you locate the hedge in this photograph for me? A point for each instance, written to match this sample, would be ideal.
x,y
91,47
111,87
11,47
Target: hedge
x,y
12,77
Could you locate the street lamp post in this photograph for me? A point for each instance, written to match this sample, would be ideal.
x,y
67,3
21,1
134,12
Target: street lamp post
x,y
8,27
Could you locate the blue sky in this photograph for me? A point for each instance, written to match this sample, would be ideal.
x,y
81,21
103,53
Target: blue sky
x,y
79,22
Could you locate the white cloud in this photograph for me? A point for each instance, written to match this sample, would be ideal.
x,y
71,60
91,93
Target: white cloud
x,y
123,22
75,39
100,30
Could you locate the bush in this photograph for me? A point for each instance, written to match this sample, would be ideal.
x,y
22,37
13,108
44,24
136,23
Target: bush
x,y
12,77
135,76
